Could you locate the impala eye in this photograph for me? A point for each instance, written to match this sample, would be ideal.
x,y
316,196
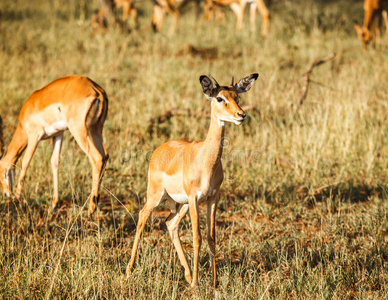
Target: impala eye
x,y
219,99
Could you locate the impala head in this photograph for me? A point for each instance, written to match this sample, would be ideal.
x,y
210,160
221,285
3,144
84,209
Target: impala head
x,y
6,180
364,34
225,99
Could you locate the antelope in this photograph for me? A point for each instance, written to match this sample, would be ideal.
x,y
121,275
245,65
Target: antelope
x,y
374,10
106,13
161,7
238,7
189,173
75,103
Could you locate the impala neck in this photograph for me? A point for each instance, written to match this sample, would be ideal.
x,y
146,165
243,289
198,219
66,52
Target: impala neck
x,y
15,149
213,143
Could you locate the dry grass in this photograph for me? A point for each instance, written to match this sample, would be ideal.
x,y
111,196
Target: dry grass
x,y
303,210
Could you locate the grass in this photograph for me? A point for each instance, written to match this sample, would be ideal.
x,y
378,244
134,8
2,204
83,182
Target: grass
x,y
303,210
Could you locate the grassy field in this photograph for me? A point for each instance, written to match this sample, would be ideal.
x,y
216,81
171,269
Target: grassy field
x,y
303,209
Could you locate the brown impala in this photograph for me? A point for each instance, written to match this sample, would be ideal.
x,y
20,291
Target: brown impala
x,y
374,11
75,103
188,173
238,7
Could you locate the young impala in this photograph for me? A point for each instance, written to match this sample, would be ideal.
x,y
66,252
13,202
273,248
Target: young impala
x,y
188,173
73,102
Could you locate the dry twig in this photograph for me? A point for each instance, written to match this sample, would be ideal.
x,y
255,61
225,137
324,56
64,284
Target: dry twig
x,y
307,80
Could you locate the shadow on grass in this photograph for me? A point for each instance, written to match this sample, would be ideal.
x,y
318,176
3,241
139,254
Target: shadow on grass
x,y
350,192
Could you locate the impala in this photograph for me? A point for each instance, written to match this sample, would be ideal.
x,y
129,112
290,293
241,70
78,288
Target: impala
x,y
374,10
75,103
238,7
107,13
162,7
188,173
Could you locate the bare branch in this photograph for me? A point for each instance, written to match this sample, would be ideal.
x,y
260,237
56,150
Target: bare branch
x,y
314,63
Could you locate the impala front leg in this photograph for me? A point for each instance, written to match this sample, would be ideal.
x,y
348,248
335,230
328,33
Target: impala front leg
x,y
211,234
197,239
31,147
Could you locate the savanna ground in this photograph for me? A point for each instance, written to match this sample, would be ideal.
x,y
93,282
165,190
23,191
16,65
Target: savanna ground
x,y
303,209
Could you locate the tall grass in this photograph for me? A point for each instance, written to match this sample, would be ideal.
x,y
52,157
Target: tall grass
x,y
303,209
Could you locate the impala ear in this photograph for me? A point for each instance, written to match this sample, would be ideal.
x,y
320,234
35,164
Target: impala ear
x,y
207,85
245,84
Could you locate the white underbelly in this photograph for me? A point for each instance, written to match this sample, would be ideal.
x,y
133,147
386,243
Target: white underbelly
x,y
179,198
54,129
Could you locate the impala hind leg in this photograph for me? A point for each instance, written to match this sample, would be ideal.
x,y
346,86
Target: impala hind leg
x,y
57,144
172,222
100,158
153,200
93,147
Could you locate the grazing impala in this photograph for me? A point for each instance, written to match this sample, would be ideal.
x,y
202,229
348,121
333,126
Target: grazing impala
x,y
161,7
188,173
374,10
75,103
238,7
107,13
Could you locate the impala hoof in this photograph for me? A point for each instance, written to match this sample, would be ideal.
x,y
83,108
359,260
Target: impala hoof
x,y
188,278
90,215
128,272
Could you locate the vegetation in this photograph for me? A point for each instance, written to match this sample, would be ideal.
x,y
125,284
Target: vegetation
x,y
303,209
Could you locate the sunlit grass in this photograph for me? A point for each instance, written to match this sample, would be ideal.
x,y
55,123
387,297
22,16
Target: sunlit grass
x,y
303,210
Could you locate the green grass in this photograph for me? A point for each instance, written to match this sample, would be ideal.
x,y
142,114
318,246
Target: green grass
x,y
303,209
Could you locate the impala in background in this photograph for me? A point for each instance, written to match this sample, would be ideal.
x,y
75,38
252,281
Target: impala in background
x,y
173,7
75,103
375,12
238,7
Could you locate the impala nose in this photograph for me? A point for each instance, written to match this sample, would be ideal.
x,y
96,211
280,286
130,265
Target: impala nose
x,y
241,114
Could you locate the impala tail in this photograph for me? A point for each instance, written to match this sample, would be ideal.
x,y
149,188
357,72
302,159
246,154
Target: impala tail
x,y
98,110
